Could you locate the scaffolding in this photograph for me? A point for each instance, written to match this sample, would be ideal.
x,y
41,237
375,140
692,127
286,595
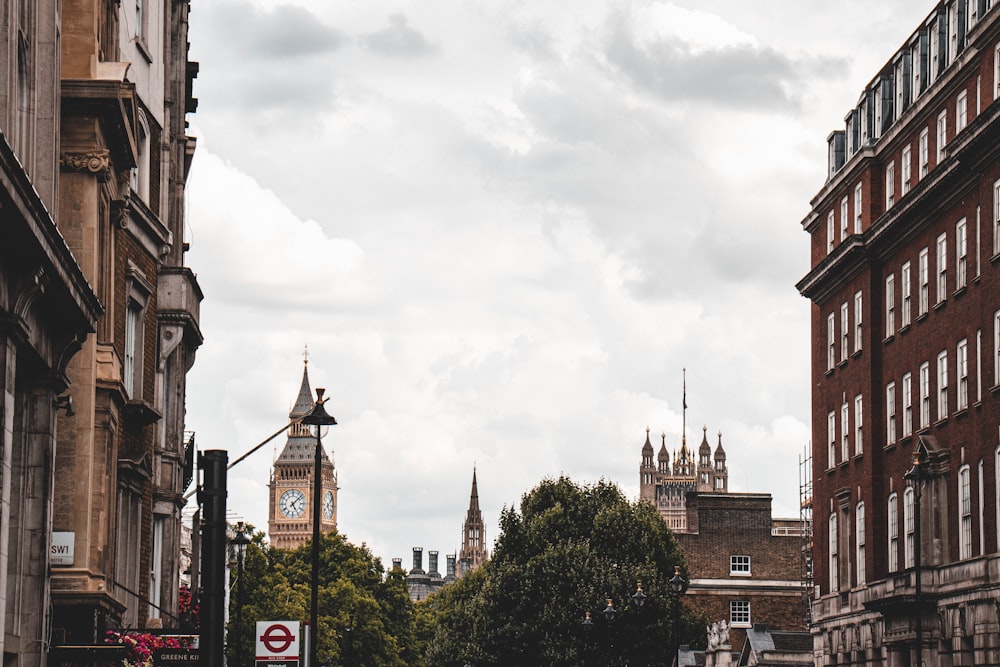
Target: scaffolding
x,y
806,519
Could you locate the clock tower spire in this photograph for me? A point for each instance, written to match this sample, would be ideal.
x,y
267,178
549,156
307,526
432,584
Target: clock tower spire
x,y
292,479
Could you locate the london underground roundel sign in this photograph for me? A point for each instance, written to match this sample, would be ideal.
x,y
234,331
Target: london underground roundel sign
x,y
277,640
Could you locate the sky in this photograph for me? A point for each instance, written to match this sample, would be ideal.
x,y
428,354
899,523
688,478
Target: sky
x,y
504,228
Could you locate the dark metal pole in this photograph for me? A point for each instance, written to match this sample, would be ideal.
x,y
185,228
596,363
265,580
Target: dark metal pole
x,y
241,549
213,498
318,418
917,562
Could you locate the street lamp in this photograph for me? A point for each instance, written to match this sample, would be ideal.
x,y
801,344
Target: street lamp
x,y
239,542
677,586
915,477
318,417
610,614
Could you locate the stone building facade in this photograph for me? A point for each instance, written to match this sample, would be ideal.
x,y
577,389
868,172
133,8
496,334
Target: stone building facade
x,y
290,515
744,565
98,317
904,287
667,485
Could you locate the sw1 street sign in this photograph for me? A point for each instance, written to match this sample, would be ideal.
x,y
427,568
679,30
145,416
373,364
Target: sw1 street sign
x,y
278,643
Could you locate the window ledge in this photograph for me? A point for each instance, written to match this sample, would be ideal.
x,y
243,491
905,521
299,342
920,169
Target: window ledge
x,y
960,291
857,353
140,45
842,363
922,316
889,446
859,456
995,388
941,422
888,339
740,574
903,329
994,259
960,412
844,463
828,372
940,304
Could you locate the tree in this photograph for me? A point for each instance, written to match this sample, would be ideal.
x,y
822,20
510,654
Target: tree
x,y
565,552
365,617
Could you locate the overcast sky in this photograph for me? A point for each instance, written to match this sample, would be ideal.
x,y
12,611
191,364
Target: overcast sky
x,y
503,228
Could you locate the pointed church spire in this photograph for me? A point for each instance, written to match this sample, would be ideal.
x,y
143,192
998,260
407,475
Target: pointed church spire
x,y
474,496
304,402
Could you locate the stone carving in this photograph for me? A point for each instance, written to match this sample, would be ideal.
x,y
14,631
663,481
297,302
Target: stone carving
x,y
96,162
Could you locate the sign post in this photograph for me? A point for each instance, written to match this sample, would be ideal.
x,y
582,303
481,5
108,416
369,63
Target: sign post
x,y
277,644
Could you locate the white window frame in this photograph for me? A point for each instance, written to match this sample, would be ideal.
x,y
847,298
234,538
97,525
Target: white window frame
x,y
924,153
831,239
843,218
845,432
964,513
942,267
961,111
905,168
892,512
942,384
996,217
907,290
890,413
923,279
858,321
907,389
962,371
739,614
834,543
890,305
845,329
831,337
831,436
859,542
925,395
961,254
858,209
942,136
739,565
996,72
890,185
908,528
859,420
996,351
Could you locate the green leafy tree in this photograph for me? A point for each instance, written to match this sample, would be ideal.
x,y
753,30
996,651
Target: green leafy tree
x,y
365,617
566,551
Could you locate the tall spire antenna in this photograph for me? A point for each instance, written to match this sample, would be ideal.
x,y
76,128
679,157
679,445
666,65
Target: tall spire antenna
x,y
684,404
305,355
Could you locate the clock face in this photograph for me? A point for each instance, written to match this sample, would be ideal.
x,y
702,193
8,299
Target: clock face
x,y
292,503
328,505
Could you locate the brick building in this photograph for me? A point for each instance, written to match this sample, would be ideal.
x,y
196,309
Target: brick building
x,y
744,565
905,286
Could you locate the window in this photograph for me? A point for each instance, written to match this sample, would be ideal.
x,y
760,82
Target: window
x,y
905,164
925,394
923,270
908,526
934,39
857,209
156,571
996,349
890,185
834,561
859,541
890,305
996,217
845,433
996,72
964,514
831,432
904,275
859,441
942,135
907,389
844,332
942,267
890,413
961,254
961,111
843,218
831,337
891,512
830,231
133,319
942,379
739,613
857,321
739,565
962,369
924,152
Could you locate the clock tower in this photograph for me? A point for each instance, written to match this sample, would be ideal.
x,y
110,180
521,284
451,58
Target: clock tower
x,y
291,487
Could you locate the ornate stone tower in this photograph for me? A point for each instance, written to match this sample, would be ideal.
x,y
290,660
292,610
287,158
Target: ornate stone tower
x,y
291,487
473,553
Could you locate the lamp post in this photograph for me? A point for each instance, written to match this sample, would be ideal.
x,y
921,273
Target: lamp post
x,y
677,586
915,477
318,417
240,542
610,614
